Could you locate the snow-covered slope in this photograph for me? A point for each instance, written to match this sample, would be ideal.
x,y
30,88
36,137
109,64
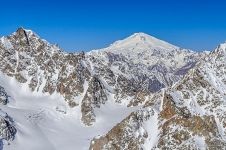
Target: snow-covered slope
x,y
143,48
60,100
188,115
140,42
46,121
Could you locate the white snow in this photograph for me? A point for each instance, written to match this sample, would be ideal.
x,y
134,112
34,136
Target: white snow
x,y
6,43
200,142
46,122
142,41
148,50
151,127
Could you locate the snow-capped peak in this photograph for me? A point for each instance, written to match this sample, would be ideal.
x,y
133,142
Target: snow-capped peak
x,y
142,41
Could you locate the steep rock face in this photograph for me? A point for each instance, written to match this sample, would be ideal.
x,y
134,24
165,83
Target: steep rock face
x,y
190,115
179,129
202,94
41,65
94,97
7,128
129,134
3,96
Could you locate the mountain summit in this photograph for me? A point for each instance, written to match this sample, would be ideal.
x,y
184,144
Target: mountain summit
x,y
141,41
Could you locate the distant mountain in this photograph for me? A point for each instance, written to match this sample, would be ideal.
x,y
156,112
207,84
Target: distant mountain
x,y
146,63
140,42
58,98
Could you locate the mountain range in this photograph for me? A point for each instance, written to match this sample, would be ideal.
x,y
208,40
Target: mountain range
x,y
138,93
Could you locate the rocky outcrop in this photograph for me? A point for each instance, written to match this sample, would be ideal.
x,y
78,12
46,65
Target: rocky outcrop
x,y
4,97
7,128
94,97
129,134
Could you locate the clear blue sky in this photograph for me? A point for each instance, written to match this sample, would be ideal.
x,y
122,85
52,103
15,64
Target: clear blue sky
x,y
84,25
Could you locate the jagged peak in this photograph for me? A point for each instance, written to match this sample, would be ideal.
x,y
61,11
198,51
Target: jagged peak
x,y
25,32
220,49
27,38
20,29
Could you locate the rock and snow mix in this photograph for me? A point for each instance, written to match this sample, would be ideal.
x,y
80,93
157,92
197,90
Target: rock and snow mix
x,y
138,93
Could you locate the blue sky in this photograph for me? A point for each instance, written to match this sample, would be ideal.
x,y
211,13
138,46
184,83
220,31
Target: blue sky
x,y
86,25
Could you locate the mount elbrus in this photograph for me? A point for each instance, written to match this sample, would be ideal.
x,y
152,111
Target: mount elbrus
x,y
138,93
